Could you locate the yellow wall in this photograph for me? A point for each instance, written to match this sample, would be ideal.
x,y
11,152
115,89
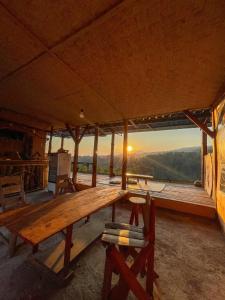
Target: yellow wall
x,y
220,153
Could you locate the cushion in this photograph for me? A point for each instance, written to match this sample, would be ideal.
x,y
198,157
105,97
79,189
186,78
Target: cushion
x,y
124,235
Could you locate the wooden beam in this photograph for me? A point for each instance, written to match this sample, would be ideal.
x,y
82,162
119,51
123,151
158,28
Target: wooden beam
x,y
133,124
69,129
198,123
124,165
50,141
83,133
203,153
111,165
95,157
76,153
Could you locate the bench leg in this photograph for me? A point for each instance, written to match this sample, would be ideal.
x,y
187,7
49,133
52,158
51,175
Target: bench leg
x,y
68,244
35,249
12,244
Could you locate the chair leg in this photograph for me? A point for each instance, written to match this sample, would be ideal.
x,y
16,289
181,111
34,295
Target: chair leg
x,y
136,215
107,277
150,276
12,244
127,277
132,216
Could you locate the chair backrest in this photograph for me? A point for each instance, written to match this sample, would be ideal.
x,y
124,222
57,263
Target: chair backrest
x,y
148,210
11,185
64,185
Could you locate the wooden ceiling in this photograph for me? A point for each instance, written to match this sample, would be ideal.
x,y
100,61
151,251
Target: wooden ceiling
x,y
114,59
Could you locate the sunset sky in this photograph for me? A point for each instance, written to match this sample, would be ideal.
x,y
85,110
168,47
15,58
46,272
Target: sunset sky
x,y
141,142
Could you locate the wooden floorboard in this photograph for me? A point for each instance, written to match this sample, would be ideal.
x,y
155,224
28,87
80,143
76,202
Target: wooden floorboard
x,y
180,197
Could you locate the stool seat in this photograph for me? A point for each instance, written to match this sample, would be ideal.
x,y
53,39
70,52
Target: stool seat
x,y
136,203
137,200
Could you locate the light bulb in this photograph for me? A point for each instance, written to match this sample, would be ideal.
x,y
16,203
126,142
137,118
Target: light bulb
x,y
81,113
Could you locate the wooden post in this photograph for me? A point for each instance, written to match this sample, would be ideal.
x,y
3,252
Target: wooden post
x,y
215,158
62,142
124,165
95,157
50,141
76,152
203,153
111,173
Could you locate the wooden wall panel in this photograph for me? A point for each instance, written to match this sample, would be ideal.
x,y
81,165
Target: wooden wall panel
x,y
208,173
219,115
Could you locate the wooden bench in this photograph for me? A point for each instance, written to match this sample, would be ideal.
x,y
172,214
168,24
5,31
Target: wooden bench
x,y
38,222
138,177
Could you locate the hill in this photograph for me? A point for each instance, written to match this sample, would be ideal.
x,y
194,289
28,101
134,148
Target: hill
x,y
177,165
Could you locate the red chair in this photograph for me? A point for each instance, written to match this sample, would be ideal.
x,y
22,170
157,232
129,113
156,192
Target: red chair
x,y
123,240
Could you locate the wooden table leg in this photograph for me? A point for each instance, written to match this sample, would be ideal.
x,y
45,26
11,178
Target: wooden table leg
x,y
68,244
35,249
113,212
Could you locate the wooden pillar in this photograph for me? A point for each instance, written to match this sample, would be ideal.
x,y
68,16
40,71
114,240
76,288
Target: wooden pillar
x,y
95,157
203,153
124,164
76,152
62,142
215,158
50,141
111,173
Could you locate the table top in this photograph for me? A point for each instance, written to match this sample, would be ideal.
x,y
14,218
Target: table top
x,y
37,222
139,176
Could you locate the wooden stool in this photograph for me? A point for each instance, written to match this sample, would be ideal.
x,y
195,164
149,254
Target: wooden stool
x,y
136,201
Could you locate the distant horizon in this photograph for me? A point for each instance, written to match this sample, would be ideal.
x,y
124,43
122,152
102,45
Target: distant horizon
x,y
143,142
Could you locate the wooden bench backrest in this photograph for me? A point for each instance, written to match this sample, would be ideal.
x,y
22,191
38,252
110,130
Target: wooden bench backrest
x,y
11,185
63,185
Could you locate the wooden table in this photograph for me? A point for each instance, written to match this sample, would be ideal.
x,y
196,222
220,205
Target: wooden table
x,y
139,176
37,222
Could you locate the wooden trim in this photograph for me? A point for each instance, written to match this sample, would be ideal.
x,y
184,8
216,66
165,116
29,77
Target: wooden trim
x,y
203,153
124,165
201,125
111,165
95,157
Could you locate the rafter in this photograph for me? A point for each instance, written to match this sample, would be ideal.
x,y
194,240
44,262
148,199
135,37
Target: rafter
x,y
83,133
198,123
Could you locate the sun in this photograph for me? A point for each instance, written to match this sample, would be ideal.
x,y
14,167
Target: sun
x,y
129,148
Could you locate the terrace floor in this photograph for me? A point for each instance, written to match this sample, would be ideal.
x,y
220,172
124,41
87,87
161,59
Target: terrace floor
x,y
190,261
175,196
